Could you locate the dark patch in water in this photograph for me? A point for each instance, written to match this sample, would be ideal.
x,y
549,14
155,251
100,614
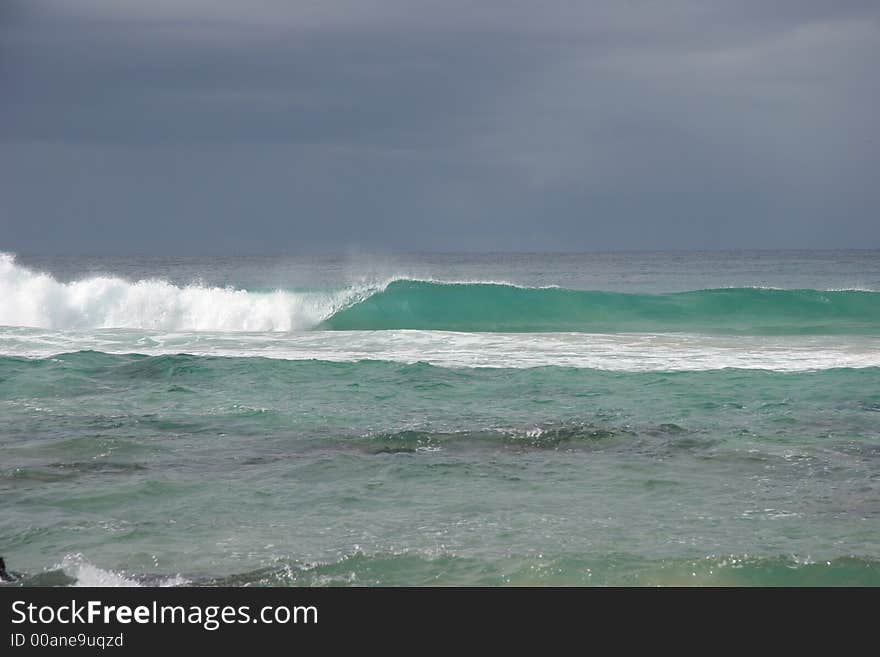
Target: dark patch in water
x,y
406,442
63,471
556,437
98,466
411,441
669,428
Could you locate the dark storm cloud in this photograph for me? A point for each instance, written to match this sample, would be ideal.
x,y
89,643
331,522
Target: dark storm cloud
x,y
196,126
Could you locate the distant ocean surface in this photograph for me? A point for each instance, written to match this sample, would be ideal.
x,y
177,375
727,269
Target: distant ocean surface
x,y
480,419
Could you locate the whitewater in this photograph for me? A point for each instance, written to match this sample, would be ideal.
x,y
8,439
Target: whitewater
x,y
37,299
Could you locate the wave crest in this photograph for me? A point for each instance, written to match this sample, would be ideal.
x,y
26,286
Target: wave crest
x,y
38,300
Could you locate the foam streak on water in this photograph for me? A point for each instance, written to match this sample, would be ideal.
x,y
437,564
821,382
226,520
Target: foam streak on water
x,y
623,352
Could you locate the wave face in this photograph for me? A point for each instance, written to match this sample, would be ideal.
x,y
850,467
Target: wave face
x,y
409,304
38,300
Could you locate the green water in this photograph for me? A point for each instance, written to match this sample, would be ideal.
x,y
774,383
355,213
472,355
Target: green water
x,y
483,307
658,430
275,471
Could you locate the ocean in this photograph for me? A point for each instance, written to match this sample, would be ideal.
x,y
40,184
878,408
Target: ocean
x,y
675,418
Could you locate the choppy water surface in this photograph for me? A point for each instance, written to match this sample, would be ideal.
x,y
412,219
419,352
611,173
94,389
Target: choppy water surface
x,y
533,419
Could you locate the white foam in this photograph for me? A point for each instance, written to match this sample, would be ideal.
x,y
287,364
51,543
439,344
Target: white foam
x,y
87,575
621,352
38,300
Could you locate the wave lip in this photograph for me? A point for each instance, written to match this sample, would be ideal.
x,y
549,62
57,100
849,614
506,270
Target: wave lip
x,y
492,307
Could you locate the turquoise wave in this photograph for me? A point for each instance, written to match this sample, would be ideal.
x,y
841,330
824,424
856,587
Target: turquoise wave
x,y
412,304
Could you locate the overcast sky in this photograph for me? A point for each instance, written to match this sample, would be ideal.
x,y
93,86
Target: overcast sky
x,y
222,126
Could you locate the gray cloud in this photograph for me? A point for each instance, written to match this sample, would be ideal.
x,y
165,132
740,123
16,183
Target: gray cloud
x,y
196,126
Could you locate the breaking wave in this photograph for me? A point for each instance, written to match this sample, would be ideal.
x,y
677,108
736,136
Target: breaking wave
x,y
35,299
38,300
